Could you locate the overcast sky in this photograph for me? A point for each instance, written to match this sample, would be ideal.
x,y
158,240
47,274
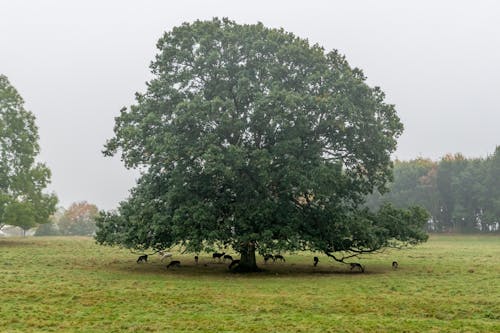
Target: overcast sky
x,y
76,63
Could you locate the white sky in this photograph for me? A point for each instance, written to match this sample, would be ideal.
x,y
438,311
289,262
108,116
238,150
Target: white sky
x,y
76,63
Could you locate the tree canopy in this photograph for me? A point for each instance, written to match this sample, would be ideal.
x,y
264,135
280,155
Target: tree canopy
x,y
250,137
22,178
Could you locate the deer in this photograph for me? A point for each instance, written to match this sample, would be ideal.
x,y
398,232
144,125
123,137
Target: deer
x,y
279,257
267,257
358,266
217,255
143,258
174,263
316,260
164,255
233,263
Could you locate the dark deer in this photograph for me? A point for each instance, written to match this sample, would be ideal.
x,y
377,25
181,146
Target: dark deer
x,y
233,263
174,263
316,260
217,255
358,266
279,257
196,259
267,257
395,265
228,257
142,258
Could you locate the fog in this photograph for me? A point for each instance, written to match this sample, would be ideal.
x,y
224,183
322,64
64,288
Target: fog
x,y
76,63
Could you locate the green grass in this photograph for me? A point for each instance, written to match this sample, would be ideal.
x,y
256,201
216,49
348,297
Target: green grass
x,y
450,284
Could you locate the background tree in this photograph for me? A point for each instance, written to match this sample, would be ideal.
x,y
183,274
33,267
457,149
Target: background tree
x,y
448,171
461,194
47,229
490,219
78,220
22,179
252,138
414,183
51,228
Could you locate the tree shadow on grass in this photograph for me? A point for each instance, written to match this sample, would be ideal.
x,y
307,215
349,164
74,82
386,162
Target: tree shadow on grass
x,y
192,270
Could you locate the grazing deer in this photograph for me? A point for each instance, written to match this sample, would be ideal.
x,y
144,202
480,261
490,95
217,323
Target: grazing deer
x,y
395,265
143,258
316,260
279,257
174,263
233,263
217,255
267,257
164,255
228,257
357,265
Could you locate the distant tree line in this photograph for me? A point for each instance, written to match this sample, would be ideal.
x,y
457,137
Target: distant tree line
x,y
461,194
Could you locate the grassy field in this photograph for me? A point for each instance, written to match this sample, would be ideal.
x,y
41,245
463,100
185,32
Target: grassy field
x,y
450,284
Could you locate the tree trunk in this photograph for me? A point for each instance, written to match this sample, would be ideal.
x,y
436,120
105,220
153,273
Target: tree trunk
x,y
248,262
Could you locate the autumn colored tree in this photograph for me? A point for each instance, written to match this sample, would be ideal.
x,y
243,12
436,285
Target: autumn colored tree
x,y
79,219
252,138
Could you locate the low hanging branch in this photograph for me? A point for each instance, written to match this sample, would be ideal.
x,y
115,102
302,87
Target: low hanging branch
x,y
353,253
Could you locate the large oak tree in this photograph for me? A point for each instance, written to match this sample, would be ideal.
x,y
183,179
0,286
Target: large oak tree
x,y
252,138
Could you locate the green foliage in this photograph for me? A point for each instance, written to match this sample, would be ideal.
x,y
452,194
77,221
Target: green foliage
x,y
22,179
47,229
249,136
461,195
20,214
